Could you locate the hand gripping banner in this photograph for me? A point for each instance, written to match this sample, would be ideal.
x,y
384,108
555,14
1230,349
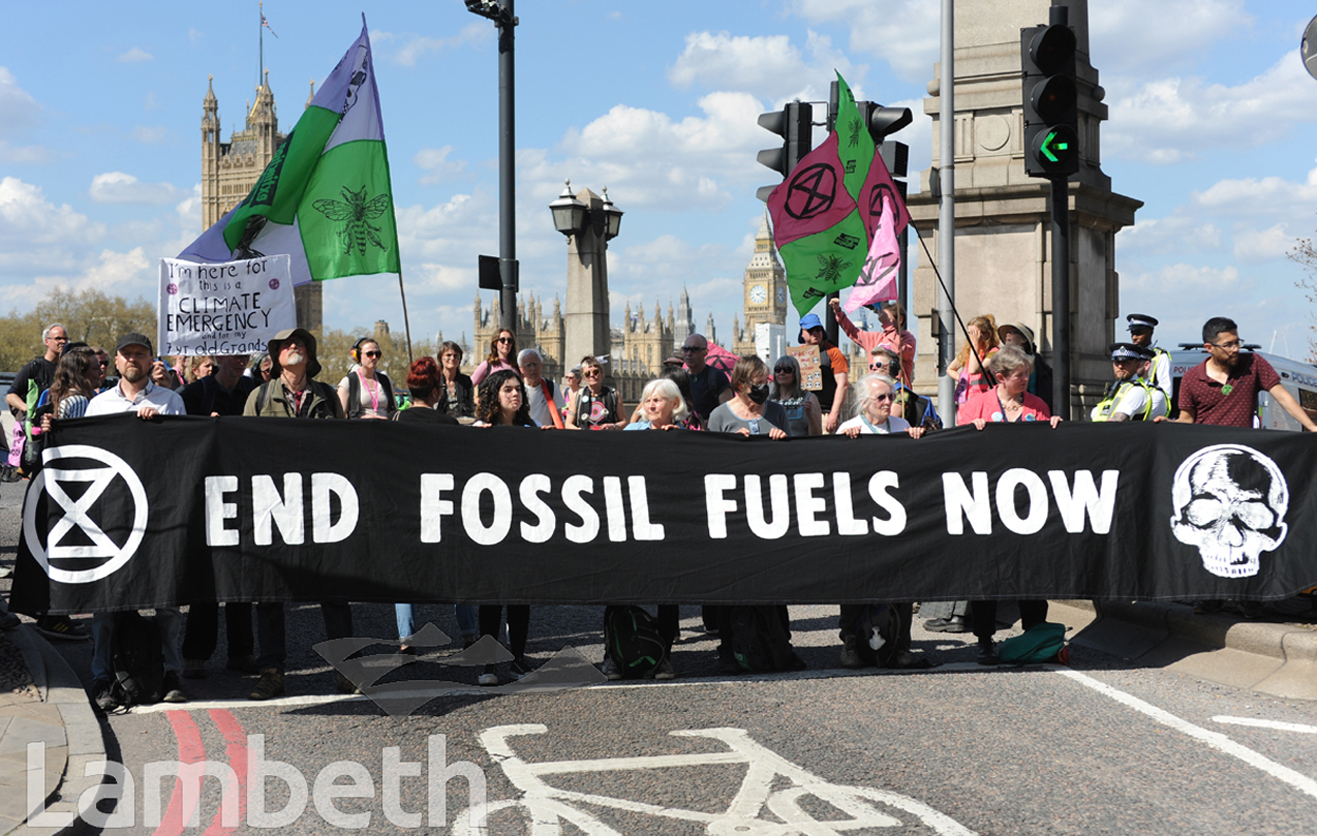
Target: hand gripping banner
x,y
130,513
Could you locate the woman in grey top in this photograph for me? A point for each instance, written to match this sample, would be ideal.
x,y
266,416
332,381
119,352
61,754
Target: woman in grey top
x,y
750,412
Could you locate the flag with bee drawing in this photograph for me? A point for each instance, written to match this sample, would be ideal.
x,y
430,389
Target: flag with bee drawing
x,y
325,197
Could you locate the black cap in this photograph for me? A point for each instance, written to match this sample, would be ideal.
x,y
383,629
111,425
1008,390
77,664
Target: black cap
x,y
134,339
1138,320
1129,351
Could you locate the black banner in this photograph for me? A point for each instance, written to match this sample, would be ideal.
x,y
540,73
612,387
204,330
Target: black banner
x,y
130,513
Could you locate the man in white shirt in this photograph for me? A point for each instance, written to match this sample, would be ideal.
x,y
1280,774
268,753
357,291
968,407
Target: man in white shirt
x,y
136,393
1159,368
542,396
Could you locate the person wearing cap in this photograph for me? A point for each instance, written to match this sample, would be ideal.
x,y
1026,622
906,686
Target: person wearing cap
x,y
835,371
1159,370
1021,336
136,393
1130,397
293,392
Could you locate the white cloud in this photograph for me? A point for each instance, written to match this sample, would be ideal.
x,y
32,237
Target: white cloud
x,y
415,47
437,165
24,153
1173,119
136,55
118,187
1175,280
1260,197
1176,233
151,135
1129,35
29,220
18,110
902,32
1262,245
769,66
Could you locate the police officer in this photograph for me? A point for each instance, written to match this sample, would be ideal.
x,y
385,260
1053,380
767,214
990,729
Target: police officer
x,y
1130,397
1159,373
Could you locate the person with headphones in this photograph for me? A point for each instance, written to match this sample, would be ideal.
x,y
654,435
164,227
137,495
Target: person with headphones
x,y
367,392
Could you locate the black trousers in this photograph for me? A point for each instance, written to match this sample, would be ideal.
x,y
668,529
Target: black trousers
x,y
202,632
270,629
491,616
985,616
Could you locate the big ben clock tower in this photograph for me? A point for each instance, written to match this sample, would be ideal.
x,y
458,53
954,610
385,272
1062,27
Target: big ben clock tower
x,y
765,286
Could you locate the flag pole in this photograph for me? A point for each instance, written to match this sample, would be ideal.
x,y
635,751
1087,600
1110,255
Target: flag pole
x,y
260,35
406,323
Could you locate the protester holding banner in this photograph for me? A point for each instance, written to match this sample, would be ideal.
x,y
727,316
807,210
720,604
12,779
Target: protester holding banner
x,y
893,335
917,410
542,396
222,393
426,385
598,407
366,392
804,414
458,390
293,392
1007,402
968,365
502,355
138,394
750,412
502,403
835,371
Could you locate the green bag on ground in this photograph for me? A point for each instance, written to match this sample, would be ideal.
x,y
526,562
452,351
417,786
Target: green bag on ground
x,y
1040,643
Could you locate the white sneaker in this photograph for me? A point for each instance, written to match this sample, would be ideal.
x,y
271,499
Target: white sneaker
x,y
610,669
665,671
489,676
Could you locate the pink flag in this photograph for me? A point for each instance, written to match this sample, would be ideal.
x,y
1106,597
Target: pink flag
x,y
877,280
877,193
813,198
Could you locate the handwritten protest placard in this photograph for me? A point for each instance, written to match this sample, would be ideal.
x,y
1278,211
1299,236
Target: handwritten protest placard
x,y
233,307
811,367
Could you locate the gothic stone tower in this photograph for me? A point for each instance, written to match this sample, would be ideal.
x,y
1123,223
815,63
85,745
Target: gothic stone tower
x,y
230,169
765,286
1003,227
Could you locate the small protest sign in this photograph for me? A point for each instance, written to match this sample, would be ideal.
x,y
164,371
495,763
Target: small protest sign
x,y
233,307
811,366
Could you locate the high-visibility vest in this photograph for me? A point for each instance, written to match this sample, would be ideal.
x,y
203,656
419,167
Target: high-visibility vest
x,y
1102,412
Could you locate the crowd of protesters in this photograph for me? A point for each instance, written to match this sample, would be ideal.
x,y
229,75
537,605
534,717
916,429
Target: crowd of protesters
x,y
1000,379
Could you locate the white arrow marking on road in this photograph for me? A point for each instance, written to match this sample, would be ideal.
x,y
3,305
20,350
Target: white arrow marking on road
x,y
1216,740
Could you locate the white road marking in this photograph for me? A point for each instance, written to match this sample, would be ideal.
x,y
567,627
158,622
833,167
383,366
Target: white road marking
x,y
1216,740
229,705
1266,724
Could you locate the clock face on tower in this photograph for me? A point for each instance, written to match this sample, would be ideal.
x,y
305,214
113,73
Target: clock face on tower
x,y
758,294
781,295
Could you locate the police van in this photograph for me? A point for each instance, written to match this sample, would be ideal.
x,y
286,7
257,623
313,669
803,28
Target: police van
x,y
1300,379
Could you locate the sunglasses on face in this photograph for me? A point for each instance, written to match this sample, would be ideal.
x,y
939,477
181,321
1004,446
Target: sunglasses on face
x,y
374,353
784,370
594,373
505,339
692,349
877,367
880,398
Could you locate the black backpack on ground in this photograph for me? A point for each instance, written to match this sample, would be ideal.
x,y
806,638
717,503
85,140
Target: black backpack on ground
x,y
877,630
760,640
139,662
632,641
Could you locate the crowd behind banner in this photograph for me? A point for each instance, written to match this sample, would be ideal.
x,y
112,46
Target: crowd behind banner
x,y
722,503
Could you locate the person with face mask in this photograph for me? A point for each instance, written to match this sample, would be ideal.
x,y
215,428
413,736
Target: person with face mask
x,y
750,412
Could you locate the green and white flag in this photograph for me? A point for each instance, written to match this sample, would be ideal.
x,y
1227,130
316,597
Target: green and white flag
x,y
325,197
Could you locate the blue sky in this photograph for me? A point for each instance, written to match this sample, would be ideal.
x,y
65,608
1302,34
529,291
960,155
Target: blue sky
x,y
1211,124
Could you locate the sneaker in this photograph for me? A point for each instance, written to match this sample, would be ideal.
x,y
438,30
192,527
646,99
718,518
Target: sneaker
x,y
9,473
243,664
194,668
953,624
988,652
610,670
60,627
519,668
489,676
345,685
664,670
100,694
6,572
270,685
173,688
850,653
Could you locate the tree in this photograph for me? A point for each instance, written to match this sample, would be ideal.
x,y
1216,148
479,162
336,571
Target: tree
x,y
88,316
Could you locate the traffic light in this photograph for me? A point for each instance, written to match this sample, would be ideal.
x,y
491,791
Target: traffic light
x,y
1051,114
794,123
883,120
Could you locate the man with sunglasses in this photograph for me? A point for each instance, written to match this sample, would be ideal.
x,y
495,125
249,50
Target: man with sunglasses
x,y
709,386
1223,389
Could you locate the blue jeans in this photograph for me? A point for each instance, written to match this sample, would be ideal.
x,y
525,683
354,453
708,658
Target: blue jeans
x,y
102,642
467,619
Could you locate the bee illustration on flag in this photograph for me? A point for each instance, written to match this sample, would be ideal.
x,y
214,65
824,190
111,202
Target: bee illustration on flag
x,y
356,215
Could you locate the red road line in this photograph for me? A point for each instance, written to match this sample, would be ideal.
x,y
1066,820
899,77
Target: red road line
x,y
190,750
236,737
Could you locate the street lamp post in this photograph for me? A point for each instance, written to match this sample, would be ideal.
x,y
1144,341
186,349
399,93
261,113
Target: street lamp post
x,y
589,221
500,11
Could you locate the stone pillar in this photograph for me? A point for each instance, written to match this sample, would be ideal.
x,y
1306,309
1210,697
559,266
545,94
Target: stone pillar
x,y
1002,223
586,320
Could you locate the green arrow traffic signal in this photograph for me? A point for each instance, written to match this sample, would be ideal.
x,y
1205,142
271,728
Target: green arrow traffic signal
x,y
1057,148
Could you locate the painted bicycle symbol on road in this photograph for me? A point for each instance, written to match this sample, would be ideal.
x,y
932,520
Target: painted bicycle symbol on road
x,y
765,805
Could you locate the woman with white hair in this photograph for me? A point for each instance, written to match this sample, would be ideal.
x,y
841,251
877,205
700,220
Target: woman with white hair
x,y
873,412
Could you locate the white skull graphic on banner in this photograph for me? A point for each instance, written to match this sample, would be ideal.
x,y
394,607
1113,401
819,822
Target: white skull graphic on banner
x,y
1229,501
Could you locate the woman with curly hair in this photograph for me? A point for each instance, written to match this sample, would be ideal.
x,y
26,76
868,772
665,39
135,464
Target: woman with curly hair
x,y
969,364
502,403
